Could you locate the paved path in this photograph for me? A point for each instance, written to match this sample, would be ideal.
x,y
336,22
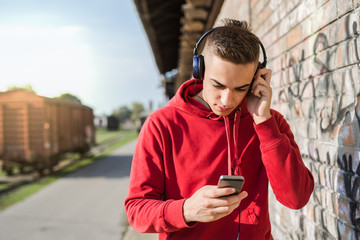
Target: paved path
x,y
88,204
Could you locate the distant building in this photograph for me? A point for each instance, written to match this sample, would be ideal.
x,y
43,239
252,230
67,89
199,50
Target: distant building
x,y
100,121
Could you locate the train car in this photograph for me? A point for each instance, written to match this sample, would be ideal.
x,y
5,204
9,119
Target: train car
x,y
35,130
112,123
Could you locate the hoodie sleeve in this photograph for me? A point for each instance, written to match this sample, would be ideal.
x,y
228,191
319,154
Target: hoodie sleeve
x,y
146,210
289,178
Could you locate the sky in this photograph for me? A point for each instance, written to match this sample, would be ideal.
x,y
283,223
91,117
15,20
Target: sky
x,y
96,50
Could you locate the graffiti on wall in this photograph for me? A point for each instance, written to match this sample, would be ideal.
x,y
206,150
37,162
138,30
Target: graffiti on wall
x,y
351,187
330,99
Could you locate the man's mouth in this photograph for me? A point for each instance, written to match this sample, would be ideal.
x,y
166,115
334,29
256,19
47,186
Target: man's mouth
x,y
222,109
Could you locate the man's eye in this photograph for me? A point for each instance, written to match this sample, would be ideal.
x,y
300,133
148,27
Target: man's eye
x,y
240,89
218,86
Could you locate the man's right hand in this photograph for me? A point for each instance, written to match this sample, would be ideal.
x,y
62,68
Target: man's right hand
x,y
211,203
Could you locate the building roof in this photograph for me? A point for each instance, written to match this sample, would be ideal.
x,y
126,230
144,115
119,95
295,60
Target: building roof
x,y
161,21
173,27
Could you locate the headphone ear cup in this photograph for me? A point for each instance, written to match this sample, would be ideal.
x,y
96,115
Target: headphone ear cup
x,y
196,73
201,65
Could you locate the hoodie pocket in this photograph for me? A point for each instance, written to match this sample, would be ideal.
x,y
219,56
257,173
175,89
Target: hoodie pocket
x,y
255,221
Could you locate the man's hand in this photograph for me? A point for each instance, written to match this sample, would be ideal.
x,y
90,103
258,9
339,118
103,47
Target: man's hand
x,y
259,99
211,203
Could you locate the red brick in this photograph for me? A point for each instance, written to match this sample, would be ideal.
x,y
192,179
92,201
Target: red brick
x,y
323,16
309,211
275,80
322,168
258,19
330,221
335,203
319,3
345,54
340,58
294,37
309,229
344,6
253,2
349,133
276,65
308,91
356,3
356,84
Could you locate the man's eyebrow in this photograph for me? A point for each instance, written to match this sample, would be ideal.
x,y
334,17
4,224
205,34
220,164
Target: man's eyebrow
x,y
220,84
216,82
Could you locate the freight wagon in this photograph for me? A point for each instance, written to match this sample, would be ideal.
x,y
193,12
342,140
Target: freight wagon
x,y
35,130
112,123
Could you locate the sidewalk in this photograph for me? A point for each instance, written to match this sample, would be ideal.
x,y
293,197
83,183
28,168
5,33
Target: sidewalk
x,y
87,204
131,234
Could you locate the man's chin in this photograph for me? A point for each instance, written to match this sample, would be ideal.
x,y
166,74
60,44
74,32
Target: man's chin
x,y
222,113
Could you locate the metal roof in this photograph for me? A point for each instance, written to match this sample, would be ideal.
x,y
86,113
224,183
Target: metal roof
x,y
161,21
173,27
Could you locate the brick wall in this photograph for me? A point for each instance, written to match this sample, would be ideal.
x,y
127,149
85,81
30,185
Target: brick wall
x,y
314,51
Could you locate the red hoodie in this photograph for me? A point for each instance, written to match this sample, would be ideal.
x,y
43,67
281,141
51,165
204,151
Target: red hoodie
x,y
184,146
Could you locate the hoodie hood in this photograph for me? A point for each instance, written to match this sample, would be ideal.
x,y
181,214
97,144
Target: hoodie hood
x,y
190,88
183,101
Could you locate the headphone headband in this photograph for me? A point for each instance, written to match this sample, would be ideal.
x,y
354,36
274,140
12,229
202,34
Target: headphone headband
x,y
198,59
200,40
263,64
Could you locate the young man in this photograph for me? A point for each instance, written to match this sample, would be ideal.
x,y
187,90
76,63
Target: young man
x,y
222,125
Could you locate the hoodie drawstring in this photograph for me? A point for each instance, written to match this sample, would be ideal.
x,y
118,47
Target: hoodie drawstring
x,y
235,160
227,129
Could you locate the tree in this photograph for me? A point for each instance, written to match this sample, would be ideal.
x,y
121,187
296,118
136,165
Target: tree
x,y
69,96
27,87
136,109
123,113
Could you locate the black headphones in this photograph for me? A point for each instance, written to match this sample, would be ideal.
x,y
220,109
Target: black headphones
x,y
198,60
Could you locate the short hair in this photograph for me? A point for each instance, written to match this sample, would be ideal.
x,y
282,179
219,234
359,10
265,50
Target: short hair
x,y
234,42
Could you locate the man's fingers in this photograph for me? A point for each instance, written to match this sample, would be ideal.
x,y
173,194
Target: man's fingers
x,y
264,73
210,203
243,195
233,199
237,198
218,202
260,81
216,192
221,210
260,91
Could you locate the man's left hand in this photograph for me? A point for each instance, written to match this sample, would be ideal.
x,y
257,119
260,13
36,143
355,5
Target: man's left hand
x,y
259,99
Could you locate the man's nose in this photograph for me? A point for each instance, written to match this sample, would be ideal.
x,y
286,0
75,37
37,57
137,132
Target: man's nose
x,y
226,98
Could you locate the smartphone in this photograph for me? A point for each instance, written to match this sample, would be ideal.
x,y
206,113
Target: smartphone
x,y
231,181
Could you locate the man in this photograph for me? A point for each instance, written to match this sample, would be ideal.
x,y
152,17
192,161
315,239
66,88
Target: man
x,y
221,125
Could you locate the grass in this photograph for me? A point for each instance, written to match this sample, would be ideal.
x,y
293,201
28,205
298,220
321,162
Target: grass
x,y
4,185
103,135
25,191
